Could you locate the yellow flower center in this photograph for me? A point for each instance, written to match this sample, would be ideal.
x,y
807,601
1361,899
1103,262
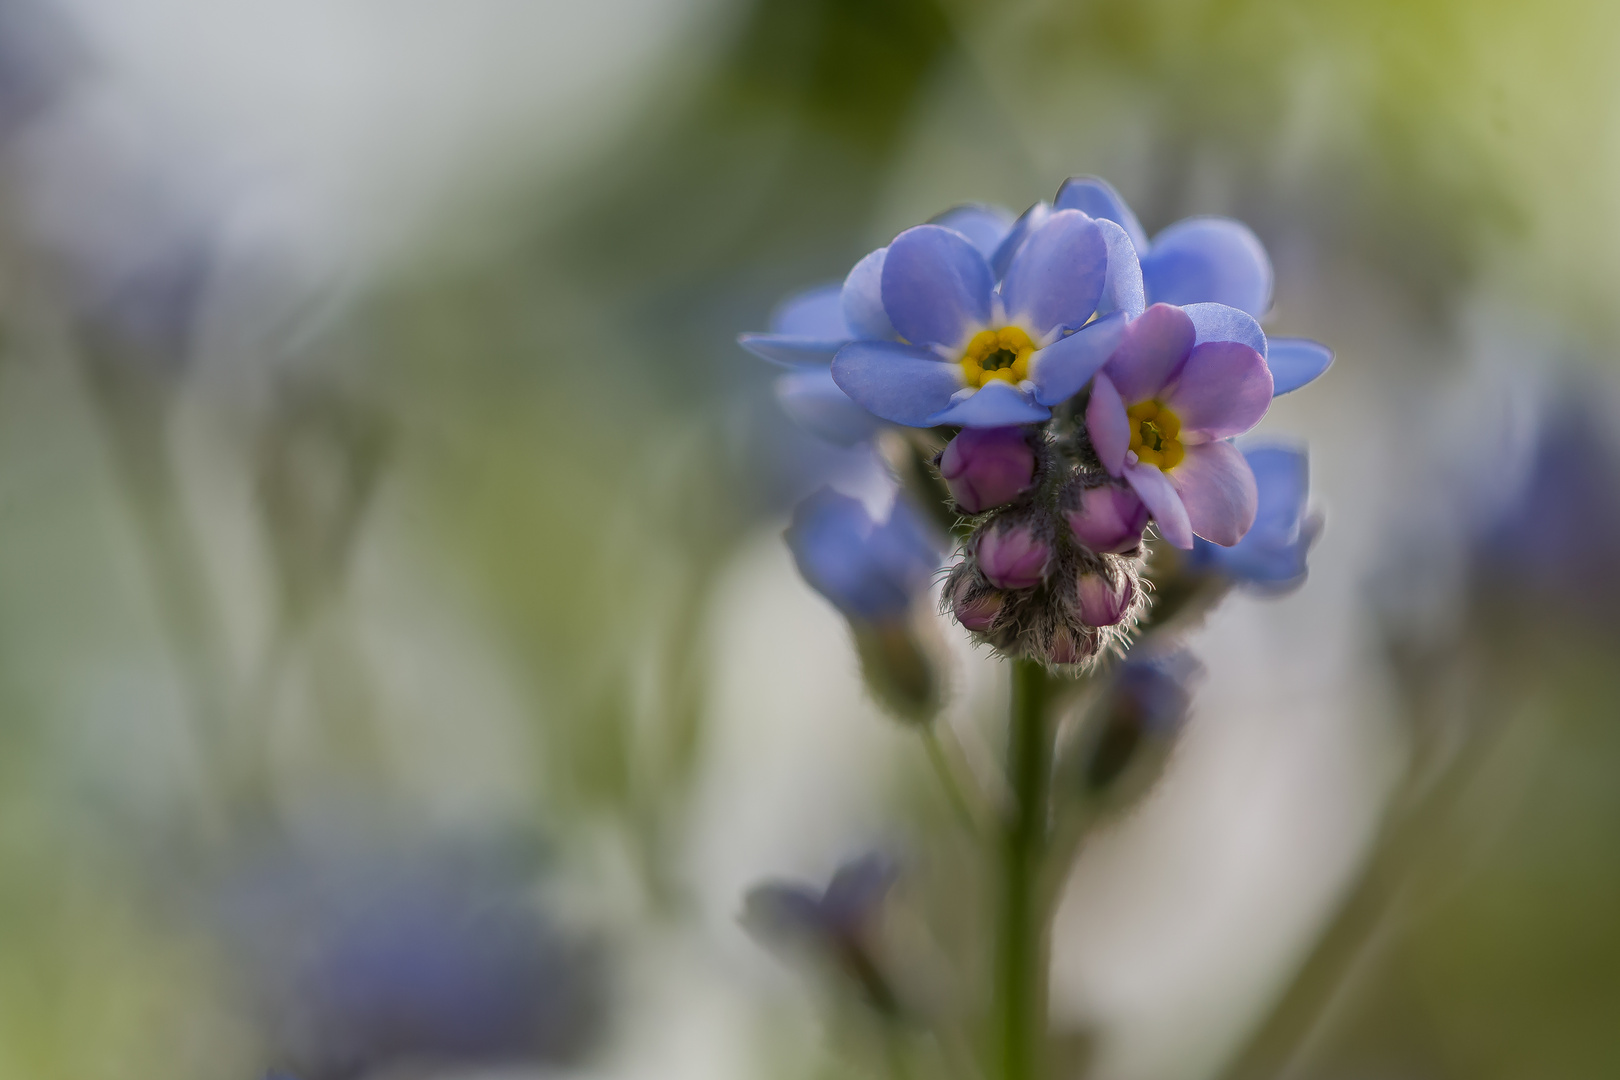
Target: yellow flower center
x,y
1155,432
997,354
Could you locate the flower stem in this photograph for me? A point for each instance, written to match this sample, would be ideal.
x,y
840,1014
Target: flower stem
x,y
947,779
1021,946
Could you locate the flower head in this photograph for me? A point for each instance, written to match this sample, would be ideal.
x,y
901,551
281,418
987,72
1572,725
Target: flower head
x,y
872,571
941,339
1272,553
1182,382
1143,709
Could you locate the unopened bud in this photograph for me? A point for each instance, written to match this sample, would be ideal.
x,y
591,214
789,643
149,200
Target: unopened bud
x,y
1102,602
1068,648
899,669
976,613
1012,556
1109,518
988,467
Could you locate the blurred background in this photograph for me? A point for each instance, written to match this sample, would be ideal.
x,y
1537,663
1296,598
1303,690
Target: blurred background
x,y
400,666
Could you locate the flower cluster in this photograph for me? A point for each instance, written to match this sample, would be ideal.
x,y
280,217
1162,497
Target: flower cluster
x,y
1089,381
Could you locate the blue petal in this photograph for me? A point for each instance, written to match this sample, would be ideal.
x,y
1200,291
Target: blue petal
x,y
791,352
814,313
1057,278
1027,222
984,226
814,402
1209,260
862,299
1218,322
1063,367
997,404
1282,476
857,889
869,570
902,383
1095,196
936,287
1295,362
1123,291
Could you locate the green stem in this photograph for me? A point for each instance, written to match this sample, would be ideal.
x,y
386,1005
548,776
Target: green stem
x,y
947,778
1021,947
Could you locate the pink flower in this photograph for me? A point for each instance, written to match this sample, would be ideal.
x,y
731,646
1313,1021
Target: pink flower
x,y
1110,518
1162,408
1012,556
1102,602
988,467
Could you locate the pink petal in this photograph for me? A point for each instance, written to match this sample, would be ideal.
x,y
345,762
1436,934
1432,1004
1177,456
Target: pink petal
x,y
1155,345
1224,390
1163,502
1110,428
1218,490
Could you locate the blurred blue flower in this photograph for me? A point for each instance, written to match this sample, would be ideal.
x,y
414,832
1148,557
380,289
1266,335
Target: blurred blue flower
x,y
871,571
924,332
38,58
1202,260
1144,708
1271,556
363,962
837,925
1554,540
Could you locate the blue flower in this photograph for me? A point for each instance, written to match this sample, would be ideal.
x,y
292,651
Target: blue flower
x,y
836,925
364,961
1552,542
1202,260
871,571
924,332
1143,709
1271,555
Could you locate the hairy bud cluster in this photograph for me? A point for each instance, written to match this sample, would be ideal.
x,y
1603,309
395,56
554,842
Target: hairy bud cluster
x,y
1053,569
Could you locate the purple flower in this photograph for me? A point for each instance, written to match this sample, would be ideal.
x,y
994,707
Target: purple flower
x,y
1012,556
872,571
988,467
1271,555
1182,382
1109,518
1103,601
1203,260
836,925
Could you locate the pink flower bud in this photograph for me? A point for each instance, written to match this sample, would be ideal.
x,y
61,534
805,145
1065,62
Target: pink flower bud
x,y
978,613
1012,556
987,467
1103,603
1109,518
1066,648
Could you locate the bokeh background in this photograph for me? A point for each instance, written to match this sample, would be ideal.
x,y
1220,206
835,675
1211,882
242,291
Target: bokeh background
x,y
395,631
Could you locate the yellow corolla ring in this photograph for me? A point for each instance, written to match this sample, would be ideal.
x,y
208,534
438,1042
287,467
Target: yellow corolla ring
x,y
1155,435
997,354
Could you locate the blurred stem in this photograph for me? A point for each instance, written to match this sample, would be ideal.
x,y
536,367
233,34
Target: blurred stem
x,y
132,406
1021,945
947,773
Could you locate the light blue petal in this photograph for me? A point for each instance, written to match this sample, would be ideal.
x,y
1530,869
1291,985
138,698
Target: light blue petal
x,y
902,383
1282,474
862,299
1297,361
1057,277
984,226
1123,291
814,313
1063,367
791,352
1095,196
1209,260
936,287
998,404
814,402
1027,222
1218,322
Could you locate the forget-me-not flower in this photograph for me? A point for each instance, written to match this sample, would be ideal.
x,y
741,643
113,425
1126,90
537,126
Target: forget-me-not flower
x,y
1183,382
872,571
1271,555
